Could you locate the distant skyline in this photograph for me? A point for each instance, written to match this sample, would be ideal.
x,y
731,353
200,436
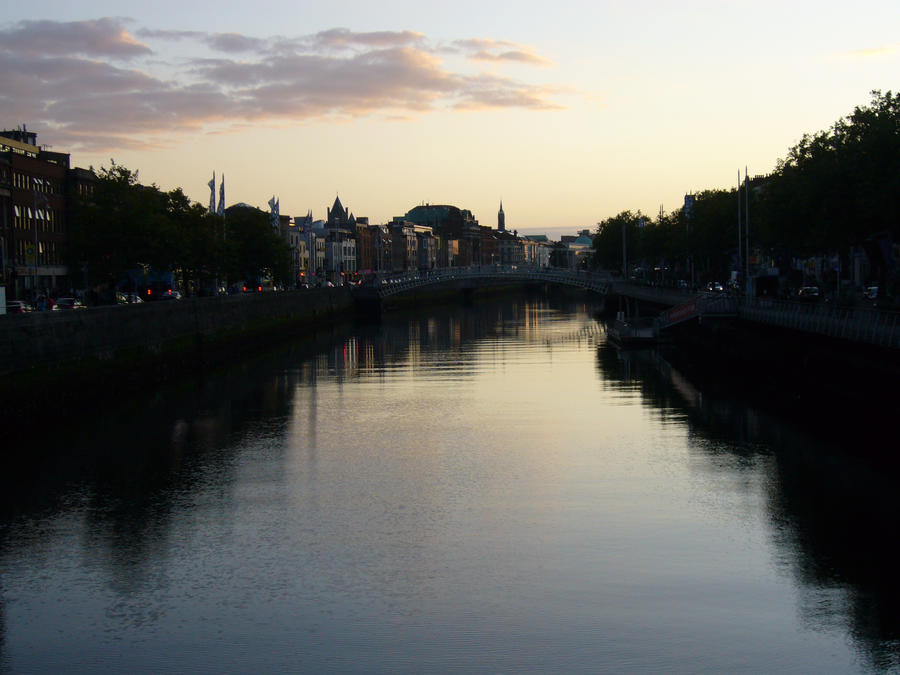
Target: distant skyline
x,y
569,112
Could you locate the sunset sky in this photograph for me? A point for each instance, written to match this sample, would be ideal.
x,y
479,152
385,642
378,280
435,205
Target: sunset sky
x,y
567,111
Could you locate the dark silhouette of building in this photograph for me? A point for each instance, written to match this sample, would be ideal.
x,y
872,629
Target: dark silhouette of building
x,y
35,213
340,218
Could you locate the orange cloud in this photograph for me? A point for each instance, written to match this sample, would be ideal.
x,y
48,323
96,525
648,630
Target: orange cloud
x,y
497,51
78,92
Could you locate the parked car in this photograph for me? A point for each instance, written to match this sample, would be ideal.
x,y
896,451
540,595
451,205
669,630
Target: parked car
x,y
68,303
715,287
159,291
128,298
18,307
808,294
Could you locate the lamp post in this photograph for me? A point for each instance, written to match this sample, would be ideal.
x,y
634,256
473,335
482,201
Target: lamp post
x,y
747,233
34,222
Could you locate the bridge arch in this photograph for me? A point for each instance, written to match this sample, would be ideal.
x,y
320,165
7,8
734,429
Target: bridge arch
x,y
470,277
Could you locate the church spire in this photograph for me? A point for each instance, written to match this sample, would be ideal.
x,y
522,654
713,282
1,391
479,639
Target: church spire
x,y
501,218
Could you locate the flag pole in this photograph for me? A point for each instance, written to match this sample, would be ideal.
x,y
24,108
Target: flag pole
x,y
740,257
35,256
747,229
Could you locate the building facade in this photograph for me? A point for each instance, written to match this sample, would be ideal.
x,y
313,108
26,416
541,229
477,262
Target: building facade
x,y
35,212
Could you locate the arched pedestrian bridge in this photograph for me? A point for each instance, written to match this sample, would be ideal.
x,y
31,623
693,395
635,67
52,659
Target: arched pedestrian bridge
x,y
472,277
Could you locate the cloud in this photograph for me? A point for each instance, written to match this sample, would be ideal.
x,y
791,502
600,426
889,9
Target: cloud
x,y
482,44
498,51
157,34
98,38
486,92
515,55
872,52
234,42
83,96
342,37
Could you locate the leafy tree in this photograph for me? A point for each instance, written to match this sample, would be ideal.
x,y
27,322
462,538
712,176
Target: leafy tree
x,y
253,247
835,189
711,232
840,186
559,255
608,240
122,225
200,245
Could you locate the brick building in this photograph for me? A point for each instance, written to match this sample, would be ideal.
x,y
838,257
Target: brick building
x,y
36,187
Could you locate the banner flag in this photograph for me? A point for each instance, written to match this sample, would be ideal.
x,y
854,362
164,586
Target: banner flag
x,y
221,210
212,194
273,217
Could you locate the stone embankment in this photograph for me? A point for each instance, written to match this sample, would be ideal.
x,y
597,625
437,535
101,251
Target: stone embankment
x,y
46,355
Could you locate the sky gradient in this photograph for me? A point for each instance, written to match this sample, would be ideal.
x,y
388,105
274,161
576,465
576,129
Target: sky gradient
x,y
569,112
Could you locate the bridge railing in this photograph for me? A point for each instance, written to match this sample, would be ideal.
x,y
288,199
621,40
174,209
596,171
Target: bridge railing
x,y
860,325
700,305
393,284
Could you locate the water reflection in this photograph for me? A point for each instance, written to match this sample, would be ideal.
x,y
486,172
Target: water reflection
x,y
427,486
832,515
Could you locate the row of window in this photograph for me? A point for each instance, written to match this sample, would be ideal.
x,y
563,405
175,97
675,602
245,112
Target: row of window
x,y
45,186
47,253
27,218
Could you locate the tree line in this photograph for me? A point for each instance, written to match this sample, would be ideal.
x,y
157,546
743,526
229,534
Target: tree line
x,y
122,226
836,191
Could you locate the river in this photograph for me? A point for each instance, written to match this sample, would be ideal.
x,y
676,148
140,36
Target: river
x,y
489,488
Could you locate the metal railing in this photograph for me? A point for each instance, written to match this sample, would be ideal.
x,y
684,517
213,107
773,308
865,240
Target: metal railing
x,y
869,326
388,285
701,305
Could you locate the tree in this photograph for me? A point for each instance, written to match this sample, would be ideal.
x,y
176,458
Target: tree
x,y
254,249
608,240
121,225
200,247
835,189
124,226
840,186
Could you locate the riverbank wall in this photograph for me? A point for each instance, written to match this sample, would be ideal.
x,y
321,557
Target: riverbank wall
x,y
841,388
816,367
49,358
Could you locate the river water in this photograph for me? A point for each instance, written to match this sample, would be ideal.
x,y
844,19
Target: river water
x,y
490,488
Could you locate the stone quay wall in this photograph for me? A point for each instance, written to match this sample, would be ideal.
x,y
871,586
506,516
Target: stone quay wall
x,y
48,350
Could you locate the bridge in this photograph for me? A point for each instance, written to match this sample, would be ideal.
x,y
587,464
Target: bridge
x,y
472,277
868,326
